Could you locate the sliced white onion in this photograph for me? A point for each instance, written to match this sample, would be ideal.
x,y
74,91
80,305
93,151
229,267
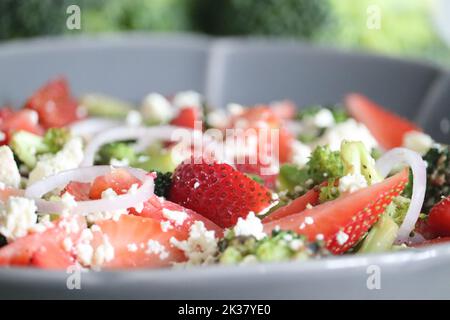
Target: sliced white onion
x,y
93,126
88,174
144,136
389,161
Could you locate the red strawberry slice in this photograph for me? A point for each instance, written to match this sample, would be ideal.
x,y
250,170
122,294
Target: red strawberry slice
x,y
120,180
130,237
79,190
285,109
218,192
187,117
439,218
54,104
31,249
342,222
296,206
387,128
156,208
52,256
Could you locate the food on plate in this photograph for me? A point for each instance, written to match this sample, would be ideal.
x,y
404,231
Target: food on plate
x,y
99,183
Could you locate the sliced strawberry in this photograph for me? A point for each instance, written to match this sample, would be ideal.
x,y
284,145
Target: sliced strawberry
x,y
52,256
387,128
342,222
79,190
439,218
218,192
54,104
285,109
21,251
119,180
156,207
296,206
133,231
187,117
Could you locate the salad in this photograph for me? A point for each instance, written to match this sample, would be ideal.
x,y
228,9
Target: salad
x,y
100,183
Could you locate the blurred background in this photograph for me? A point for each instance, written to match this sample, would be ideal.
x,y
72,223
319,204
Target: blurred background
x,y
408,28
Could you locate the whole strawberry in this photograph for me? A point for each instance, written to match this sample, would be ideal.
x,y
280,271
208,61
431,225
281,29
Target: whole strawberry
x,y
218,192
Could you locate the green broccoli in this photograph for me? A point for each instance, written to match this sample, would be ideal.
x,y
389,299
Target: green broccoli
x,y
296,18
279,246
294,179
438,175
121,151
329,192
324,164
163,182
357,160
28,146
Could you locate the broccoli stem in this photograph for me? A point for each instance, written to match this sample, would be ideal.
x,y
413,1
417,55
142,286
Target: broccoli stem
x,y
381,237
357,160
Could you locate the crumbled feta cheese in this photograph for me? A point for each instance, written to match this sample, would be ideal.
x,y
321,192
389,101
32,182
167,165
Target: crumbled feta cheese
x,y
69,203
196,184
320,237
69,157
103,253
43,224
95,228
323,119
84,252
188,99
154,247
235,109
106,215
133,189
341,237
218,118
177,217
200,246
417,141
9,172
351,183
132,247
156,109
300,153
165,226
309,220
309,206
296,244
134,118
349,130
251,226
67,244
17,217
119,163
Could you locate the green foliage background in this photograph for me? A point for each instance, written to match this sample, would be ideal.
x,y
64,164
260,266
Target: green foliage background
x,y
406,25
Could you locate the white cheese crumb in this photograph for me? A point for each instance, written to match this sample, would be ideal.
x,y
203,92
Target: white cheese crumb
x,y
188,99
84,252
417,141
103,253
235,109
165,226
156,109
351,183
106,215
17,217
341,237
300,153
196,184
69,157
9,172
177,217
323,119
67,244
251,226
349,130
154,247
309,220
132,247
296,244
134,118
119,163
200,246
320,237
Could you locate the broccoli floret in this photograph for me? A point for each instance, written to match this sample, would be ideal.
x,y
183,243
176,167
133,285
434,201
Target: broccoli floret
x,y
329,192
297,18
279,246
438,175
28,146
324,164
116,150
357,160
56,138
294,179
163,182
